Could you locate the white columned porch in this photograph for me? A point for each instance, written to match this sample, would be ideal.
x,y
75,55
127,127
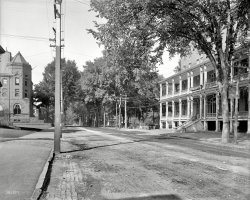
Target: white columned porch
x,y
173,87
200,106
205,113
166,88
188,81
173,110
217,127
205,75
160,89
180,110
180,84
188,107
160,115
201,76
192,106
192,79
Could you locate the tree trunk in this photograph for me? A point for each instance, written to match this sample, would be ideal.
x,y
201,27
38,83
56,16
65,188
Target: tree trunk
x,y
225,113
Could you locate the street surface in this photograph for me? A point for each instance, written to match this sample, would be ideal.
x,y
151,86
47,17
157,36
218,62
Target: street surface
x,y
101,164
23,155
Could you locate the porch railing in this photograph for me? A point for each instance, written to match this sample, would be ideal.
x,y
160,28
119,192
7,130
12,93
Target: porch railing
x,y
210,85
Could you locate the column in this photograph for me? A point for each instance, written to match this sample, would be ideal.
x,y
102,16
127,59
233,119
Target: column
x,y
200,106
205,75
188,82
160,90
172,86
188,107
180,85
180,110
166,109
173,110
217,112
205,113
192,107
231,114
192,79
201,76
160,115
166,88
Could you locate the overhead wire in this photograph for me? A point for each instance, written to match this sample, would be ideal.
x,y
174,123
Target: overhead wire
x,y
26,37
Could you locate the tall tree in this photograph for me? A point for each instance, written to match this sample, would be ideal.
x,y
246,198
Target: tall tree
x,y
215,28
44,91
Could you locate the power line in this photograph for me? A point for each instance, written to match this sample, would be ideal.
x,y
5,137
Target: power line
x,y
82,2
26,37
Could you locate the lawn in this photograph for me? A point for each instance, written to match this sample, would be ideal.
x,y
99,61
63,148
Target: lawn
x,y
14,133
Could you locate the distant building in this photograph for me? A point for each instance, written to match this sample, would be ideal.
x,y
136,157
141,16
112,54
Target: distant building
x,y
191,100
16,88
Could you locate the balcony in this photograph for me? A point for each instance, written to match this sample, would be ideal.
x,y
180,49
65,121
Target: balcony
x,y
211,115
211,85
195,88
243,76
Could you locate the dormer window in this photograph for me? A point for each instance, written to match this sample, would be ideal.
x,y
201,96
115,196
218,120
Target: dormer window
x,y
17,81
5,81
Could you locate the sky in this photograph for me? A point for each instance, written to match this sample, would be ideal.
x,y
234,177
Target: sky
x,y
26,26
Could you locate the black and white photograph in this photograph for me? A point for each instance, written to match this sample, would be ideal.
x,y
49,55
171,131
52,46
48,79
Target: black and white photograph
x,y
124,100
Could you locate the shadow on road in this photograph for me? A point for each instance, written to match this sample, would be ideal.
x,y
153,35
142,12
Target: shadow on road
x,y
84,147
153,197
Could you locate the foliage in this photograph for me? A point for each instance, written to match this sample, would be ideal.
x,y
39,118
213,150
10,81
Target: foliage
x,y
153,26
44,91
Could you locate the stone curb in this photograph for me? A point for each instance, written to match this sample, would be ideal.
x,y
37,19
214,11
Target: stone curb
x,y
42,178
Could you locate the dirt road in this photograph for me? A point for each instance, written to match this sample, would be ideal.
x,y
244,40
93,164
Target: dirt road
x,y
107,164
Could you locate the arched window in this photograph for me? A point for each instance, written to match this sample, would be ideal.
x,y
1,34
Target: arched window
x,y
17,109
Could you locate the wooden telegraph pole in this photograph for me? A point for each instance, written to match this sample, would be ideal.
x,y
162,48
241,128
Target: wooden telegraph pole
x,y
57,133
125,111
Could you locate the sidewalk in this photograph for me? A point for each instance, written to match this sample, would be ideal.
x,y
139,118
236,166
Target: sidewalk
x,y
21,162
209,137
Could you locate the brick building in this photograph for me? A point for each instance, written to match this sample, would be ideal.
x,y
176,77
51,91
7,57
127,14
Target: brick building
x,y
16,91
190,99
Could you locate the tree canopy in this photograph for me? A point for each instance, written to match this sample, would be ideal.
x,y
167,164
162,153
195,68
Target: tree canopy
x,y
150,27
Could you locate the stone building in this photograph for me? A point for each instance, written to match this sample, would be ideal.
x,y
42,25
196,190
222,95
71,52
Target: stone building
x,y
16,88
190,99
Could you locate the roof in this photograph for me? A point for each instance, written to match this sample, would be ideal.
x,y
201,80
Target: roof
x,y
1,50
18,59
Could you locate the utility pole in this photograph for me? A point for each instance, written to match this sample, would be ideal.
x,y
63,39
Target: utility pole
x,y
57,133
116,113
125,111
120,112
104,117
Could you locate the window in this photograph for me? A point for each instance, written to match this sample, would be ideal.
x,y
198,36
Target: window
x,y
26,83
197,81
163,89
163,109
211,76
17,109
211,104
16,92
184,85
177,87
5,81
184,107
17,81
169,109
4,92
170,88
26,94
